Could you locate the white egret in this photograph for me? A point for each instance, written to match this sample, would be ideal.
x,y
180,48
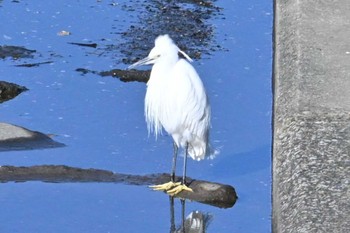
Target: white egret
x,y
176,100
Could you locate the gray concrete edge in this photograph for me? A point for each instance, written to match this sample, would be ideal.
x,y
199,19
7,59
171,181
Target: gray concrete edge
x,y
311,132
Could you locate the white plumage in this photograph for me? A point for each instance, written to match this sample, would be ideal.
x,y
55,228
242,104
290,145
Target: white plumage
x,y
176,99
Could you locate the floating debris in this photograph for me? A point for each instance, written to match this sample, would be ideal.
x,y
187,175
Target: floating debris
x,y
64,33
92,45
34,64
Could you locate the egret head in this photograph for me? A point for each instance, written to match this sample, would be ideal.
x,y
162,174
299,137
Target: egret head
x,y
164,50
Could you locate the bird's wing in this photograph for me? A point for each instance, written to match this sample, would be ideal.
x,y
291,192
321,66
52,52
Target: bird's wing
x,y
191,102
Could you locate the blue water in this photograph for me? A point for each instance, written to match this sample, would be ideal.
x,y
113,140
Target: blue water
x,y
100,120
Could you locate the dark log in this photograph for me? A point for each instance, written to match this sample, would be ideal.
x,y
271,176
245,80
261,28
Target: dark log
x,y
215,194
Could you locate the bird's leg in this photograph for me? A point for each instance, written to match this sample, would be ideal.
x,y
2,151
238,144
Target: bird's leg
x,y
172,216
179,188
173,170
183,219
185,166
169,185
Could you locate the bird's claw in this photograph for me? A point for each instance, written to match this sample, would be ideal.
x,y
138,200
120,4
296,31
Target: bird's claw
x,y
166,186
171,188
178,189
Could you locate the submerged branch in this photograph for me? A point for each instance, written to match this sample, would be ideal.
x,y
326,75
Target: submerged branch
x,y
128,75
10,90
220,195
123,75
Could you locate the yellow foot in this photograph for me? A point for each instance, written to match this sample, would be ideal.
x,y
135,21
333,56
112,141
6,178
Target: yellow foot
x,y
179,188
171,188
165,186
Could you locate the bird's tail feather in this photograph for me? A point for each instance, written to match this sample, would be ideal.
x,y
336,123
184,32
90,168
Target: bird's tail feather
x,y
202,152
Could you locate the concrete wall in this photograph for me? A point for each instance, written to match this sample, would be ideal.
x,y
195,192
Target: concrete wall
x,y
311,148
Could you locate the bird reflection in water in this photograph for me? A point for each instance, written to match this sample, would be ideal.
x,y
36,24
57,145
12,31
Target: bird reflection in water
x,y
195,222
